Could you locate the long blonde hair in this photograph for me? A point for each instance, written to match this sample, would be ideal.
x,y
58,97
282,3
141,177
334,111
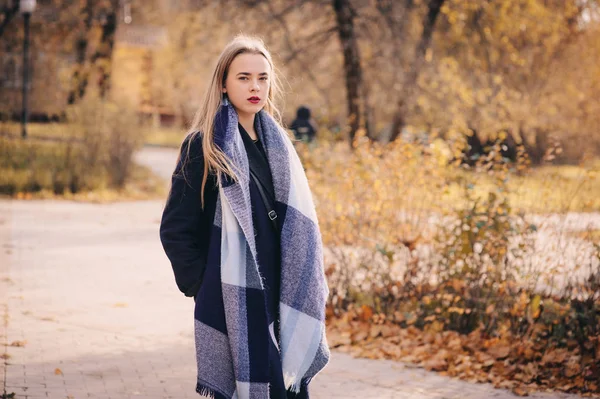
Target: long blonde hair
x,y
203,123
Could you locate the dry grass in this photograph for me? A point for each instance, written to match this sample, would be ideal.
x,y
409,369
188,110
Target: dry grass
x,y
410,180
164,137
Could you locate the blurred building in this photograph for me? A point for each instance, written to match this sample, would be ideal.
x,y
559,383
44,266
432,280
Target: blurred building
x,y
133,71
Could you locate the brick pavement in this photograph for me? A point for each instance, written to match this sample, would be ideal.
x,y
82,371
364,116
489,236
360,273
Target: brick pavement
x,y
89,291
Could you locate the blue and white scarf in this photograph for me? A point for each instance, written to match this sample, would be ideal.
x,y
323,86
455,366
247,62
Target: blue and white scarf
x,y
229,359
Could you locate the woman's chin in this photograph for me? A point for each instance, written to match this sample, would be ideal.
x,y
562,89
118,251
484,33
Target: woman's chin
x,y
250,109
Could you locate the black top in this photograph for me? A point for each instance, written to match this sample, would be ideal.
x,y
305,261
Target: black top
x,y
258,162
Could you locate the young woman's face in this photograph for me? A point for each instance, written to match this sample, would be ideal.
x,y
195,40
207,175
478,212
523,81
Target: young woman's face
x,y
247,83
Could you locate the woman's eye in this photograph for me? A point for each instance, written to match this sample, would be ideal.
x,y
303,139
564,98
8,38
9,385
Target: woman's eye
x,y
243,78
263,78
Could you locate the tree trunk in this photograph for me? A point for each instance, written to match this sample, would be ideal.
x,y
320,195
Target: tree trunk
x,y
410,82
7,15
352,69
103,56
79,80
538,149
101,60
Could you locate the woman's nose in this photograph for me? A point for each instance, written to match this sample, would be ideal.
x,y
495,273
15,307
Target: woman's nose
x,y
255,86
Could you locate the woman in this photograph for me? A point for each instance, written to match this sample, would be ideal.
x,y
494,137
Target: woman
x,y
241,232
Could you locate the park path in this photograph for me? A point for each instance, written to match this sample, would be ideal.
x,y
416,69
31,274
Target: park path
x,y
89,294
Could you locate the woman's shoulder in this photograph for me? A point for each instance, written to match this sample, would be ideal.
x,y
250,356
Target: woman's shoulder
x,y
192,145
192,153
194,139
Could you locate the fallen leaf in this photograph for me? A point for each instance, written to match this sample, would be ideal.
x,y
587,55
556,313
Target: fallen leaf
x,y
367,313
375,331
572,369
436,364
359,336
387,331
520,391
483,357
554,356
499,351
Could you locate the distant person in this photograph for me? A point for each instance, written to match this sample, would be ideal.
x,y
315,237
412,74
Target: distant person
x,y
303,127
241,232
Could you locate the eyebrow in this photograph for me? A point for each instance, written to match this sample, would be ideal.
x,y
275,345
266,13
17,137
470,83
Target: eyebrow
x,y
249,74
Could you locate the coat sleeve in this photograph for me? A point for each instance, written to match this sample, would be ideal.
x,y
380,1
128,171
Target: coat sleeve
x,y
182,231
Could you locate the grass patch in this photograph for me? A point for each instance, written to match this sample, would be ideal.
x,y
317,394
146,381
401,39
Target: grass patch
x,y
163,137
546,189
35,169
42,131
403,178
90,157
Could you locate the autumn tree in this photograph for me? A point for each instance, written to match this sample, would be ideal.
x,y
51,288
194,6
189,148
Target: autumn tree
x,y
97,23
78,36
509,66
520,66
405,96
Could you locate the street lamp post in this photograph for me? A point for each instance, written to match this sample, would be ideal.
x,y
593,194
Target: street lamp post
x,y
26,7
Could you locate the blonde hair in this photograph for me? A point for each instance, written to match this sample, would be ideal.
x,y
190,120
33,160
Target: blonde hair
x,y
203,123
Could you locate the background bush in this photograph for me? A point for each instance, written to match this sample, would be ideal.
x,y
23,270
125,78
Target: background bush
x,y
416,243
94,150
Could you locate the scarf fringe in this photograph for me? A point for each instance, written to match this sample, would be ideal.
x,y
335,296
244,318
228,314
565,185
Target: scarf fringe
x,y
292,383
203,390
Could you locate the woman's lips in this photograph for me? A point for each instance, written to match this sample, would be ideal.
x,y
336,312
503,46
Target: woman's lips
x,y
254,100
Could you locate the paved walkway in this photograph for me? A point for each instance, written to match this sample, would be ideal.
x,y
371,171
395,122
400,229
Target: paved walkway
x,y
88,292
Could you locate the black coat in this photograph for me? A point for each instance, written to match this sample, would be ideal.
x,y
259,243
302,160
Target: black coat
x,y
185,227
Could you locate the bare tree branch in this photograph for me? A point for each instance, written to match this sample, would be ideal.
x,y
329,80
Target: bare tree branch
x,y
291,48
311,41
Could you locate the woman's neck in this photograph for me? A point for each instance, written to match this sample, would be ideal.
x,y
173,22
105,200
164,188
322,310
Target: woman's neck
x,y
247,122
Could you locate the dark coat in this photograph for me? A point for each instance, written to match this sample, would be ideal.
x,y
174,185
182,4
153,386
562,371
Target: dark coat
x,y
185,227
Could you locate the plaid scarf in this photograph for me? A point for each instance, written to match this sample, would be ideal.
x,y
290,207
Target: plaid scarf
x,y
232,357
